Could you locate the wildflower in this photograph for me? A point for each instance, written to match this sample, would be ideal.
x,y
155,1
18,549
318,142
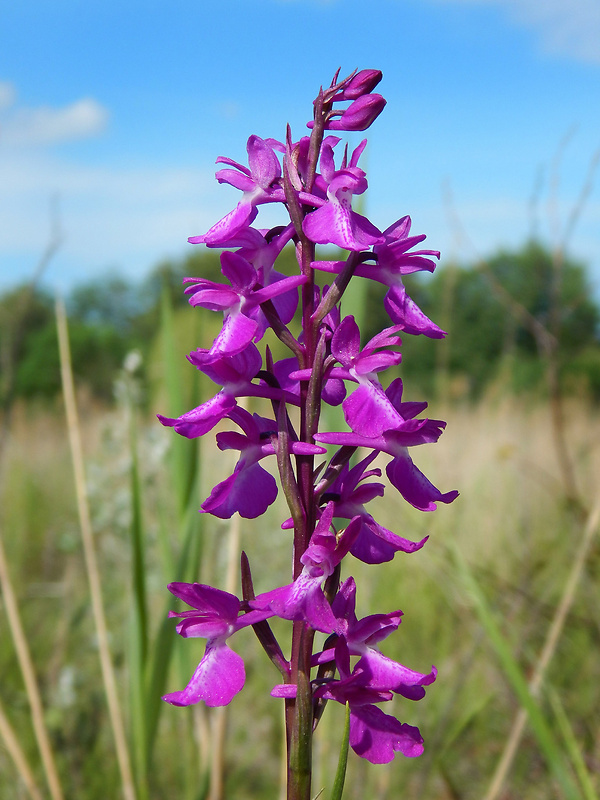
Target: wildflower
x,y
220,675
325,363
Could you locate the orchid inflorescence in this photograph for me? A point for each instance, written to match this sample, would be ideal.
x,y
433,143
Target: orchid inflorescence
x,y
327,366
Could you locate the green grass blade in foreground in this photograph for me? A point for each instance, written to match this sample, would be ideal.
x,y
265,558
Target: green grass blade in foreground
x,y
548,745
185,474
340,775
186,569
571,745
139,623
185,463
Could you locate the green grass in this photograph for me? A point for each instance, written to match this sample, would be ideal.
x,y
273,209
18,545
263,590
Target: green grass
x,y
481,616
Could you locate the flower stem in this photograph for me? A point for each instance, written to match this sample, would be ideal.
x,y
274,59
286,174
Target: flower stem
x,y
299,716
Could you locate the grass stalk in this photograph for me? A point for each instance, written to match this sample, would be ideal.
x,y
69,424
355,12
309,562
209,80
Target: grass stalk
x,y
549,747
29,678
573,749
139,639
91,563
552,638
340,775
11,742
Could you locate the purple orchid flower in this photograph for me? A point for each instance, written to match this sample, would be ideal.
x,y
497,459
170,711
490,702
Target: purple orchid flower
x,y
374,735
362,637
367,410
220,675
235,374
403,474
374,544
250,490
240,302
336,222
304,599
262,248
393,261
260,184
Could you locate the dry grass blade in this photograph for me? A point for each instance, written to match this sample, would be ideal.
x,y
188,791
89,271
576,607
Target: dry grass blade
x,y
7,732
552,638
93,573
31,684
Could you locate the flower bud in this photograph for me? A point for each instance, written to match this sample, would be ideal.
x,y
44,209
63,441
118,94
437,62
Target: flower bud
x,y
359,115
362,83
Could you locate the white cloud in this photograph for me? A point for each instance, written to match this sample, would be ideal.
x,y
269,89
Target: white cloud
x,y
34,127
564,27
7,95
119,217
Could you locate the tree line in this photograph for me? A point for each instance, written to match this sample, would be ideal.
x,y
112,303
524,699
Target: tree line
x,y
493,312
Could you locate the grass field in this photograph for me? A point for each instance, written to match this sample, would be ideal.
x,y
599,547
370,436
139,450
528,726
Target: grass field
x,y
479,602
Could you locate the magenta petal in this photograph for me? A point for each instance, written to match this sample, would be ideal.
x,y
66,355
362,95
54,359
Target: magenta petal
x,y
377,736
336,224
238,271
198,627
345,344
212,296
405,312
264,164
414,486
207,599
383,673
217,679
235,335
234,178
249,491
377,544
369,412
286,304
200,420
241,216
224,369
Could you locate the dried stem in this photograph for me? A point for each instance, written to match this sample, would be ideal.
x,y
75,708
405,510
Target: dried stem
x,y
11,742
552,639
93,573
29,678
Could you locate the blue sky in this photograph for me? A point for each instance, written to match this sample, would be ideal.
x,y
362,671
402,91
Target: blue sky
x,y
114,113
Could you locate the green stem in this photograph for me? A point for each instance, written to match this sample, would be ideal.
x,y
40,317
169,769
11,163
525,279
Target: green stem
x,y
299,710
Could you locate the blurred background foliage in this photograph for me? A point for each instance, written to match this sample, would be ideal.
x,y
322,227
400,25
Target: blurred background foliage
x,y
482,616
486,344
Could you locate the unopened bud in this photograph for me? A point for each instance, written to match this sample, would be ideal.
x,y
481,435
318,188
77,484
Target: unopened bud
x,y
362,83
359,115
